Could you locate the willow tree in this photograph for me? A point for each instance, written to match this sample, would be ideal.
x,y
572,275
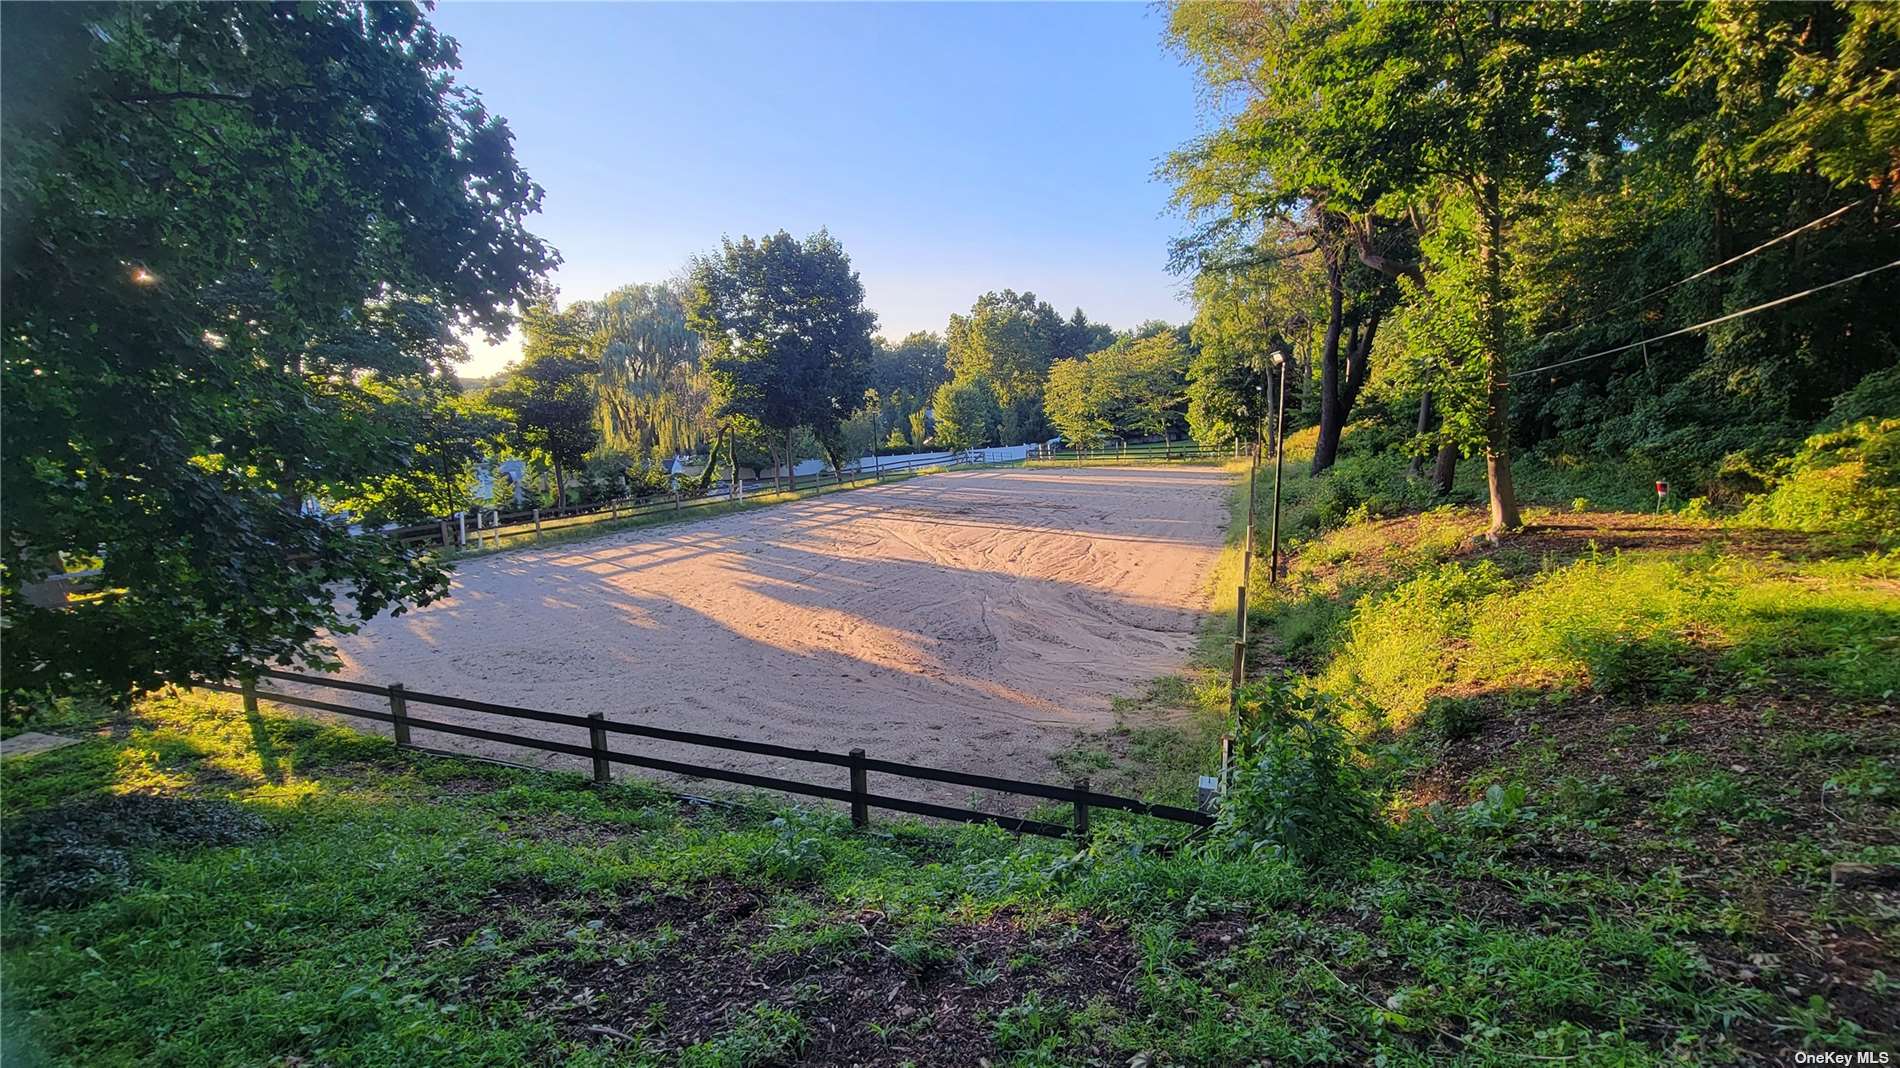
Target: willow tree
x,y
653,394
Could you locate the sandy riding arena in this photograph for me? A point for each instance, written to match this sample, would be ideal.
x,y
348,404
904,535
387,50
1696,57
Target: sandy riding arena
x,y
968,620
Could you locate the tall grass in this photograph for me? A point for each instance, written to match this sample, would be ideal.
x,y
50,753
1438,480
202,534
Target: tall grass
x,y
1622,625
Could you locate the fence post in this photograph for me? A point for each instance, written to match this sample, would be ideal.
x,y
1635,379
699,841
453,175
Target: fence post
x,y
860,808
597,740
615,505
249,685
537,524
399,712
461,530
676,500
1240,612
1082,811
445,533
1237,678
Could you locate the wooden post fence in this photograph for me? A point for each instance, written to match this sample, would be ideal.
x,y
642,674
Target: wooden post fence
x,y
597,740
1237,677
860,811
399,713
1082,811
537,524
249,685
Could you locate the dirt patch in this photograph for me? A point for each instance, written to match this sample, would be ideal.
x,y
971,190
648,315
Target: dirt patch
x,y
666,971
969,620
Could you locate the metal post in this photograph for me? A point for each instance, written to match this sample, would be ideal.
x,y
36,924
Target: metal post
x,y
399,712
461,530
1082,811
860,808
1279,465
597,740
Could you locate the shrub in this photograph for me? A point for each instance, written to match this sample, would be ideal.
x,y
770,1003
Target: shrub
x,y
1846,477
1402,645
1297,790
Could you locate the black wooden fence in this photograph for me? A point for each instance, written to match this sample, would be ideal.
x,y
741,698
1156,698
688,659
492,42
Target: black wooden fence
x,y
1079,797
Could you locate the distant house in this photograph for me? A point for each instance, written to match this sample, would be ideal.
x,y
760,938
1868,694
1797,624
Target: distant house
x,y
516,472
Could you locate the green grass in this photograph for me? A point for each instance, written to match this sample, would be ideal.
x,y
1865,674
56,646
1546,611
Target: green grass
x,y
322,939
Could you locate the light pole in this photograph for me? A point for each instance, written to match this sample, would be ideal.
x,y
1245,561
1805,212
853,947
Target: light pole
x,y
1279,464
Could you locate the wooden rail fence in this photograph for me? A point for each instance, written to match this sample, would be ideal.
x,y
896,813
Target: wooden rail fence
x,y
598,728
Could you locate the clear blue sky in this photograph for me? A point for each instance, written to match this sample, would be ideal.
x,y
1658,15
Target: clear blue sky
x,y
952,148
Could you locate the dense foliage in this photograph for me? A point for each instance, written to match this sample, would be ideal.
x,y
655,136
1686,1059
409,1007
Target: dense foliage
x,y
1523,194
239,242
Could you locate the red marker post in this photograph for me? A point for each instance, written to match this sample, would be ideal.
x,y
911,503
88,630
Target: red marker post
x,y
1662,490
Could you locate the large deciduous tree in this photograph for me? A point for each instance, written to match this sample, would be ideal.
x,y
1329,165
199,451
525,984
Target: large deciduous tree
x,y
967,414
1133,388
212,214
549,398
1010,340
787,336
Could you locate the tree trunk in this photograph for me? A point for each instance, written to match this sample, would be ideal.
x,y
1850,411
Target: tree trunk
x,y
1332,415
1445,470
1424,427
560,485
791,462
1497,444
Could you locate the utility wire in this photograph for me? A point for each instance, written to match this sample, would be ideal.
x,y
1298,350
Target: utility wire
x,y
1777,302
1706,271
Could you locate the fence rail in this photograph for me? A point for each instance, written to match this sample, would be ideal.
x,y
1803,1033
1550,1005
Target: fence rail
x,y
1184,452
1079,797
456,531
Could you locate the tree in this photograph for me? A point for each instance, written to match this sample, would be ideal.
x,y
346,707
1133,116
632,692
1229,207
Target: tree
x,y
787,336
445,432
1074,405
549,397
1129,389
654,397
914,366
1234,336
1010,340
1267,204
212,213
966,413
